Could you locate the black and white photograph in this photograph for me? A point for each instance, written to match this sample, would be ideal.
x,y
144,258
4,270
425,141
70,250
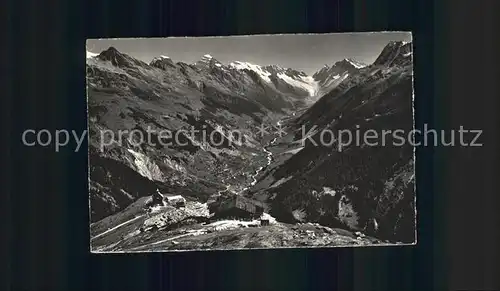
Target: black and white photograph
x,y
251,142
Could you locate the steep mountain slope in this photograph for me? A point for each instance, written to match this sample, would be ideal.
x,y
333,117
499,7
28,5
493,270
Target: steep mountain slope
x,y
359,186
130,101
396,53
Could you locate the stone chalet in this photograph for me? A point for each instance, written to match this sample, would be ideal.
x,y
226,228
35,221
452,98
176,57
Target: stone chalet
x,y
175,200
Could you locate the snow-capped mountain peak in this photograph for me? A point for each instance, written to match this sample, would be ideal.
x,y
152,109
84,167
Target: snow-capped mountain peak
x,y
161,58
264,74
349,63
162,62
118,59
356,64
91,54
328,77
395,53
208,61
293,78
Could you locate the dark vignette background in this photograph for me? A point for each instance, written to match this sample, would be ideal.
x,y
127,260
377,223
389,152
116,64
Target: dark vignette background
x,y
47,195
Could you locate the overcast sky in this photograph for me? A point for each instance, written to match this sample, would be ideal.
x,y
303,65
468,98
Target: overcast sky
x,y
306,52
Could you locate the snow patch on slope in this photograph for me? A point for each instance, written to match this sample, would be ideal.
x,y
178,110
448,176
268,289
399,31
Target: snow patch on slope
x,y
332,81
307,83
145,167
356,64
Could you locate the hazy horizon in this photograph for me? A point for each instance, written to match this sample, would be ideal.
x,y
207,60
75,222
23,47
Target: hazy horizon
x,y
305,52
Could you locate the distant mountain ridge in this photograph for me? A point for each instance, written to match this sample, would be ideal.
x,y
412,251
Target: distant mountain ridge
x,y
282,79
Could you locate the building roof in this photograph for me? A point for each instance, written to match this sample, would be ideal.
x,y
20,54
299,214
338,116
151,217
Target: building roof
x,y
242,203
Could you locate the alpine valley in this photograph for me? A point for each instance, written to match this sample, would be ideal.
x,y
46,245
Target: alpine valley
x,y
311,194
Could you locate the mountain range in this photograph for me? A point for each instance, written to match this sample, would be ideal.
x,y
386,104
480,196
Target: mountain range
x,y
360,189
